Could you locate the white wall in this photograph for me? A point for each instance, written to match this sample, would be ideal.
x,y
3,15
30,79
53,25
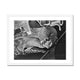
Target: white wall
x,y
39,7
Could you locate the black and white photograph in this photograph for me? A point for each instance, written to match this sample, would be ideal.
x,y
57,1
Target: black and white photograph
x,y
40,40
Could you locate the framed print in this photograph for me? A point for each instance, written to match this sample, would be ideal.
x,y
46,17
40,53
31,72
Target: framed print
x,y
40,40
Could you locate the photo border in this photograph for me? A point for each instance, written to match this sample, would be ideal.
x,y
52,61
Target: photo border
x,y
69,40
